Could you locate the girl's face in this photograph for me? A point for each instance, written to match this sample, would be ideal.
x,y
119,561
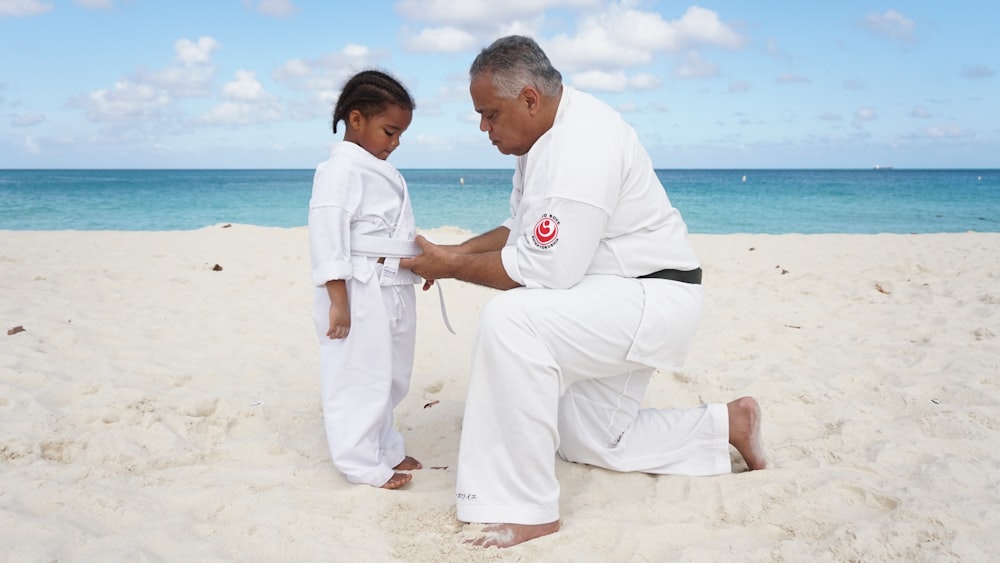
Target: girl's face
x,y
378,134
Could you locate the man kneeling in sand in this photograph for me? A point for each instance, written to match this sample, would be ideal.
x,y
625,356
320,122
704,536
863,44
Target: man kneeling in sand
x,y
603,287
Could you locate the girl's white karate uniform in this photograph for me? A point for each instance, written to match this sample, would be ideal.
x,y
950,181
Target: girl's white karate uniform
x,y
365,375
561,365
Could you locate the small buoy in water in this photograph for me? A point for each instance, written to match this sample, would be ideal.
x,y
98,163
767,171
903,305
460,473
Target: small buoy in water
x,y
744,177
980,178
461,181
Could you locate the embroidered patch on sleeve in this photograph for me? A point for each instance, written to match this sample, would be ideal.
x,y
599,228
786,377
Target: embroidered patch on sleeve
x,y
546,232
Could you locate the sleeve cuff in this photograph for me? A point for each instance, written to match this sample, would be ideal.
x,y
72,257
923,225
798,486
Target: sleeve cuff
x,y
332,270
508,257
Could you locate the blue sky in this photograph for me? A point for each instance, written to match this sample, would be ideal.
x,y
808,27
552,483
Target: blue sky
x,y
719,84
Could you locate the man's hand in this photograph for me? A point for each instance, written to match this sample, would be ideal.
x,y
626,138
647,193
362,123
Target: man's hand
x,y
437,262
432,264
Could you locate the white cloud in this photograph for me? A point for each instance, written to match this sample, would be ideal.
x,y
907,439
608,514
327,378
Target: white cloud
x,y
317,106
693,66
644,81
863,115
467,26
789,78
616,81
478,13
95,4
328,72
245,87
977,71
593,47
127,101
699,26
739,86
774,50
622,37
27,119
233,112
31,146
920,112
191,74
293,69
456,90
246,102
946,131
16,8
628,107
891,25
183,81
273,8
190,53
446,39
429,108
440,141
145,96
599,80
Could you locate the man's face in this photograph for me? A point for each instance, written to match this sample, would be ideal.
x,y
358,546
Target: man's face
x,y
507,121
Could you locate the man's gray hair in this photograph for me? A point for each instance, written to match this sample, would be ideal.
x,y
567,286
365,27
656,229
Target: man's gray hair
x,y
514,62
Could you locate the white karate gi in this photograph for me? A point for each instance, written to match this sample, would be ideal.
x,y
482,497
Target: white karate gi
x,y
561,365
365,375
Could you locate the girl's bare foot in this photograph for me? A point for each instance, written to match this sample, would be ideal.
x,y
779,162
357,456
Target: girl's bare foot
x,y
745,432
397,480
507,535
408,464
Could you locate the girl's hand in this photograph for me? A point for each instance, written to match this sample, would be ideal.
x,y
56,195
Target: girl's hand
x,y
340,322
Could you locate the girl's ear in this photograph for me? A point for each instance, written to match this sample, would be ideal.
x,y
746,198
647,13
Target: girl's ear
x,y
355,119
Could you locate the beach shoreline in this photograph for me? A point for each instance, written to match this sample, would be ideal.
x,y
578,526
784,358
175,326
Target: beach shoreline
x,y
161,402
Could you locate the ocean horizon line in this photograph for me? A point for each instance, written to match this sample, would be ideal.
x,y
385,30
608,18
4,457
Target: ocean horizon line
x,y
874,168
477,199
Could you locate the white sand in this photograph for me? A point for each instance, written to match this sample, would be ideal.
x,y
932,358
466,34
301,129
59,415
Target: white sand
x,y
154,409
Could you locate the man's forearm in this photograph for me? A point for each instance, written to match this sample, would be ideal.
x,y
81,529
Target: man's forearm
x,y
486,242
483,268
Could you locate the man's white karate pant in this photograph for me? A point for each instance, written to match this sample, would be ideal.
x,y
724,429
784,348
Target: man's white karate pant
x,y
364,376
550,375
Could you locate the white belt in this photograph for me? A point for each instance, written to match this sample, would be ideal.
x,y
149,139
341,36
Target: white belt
x,y
369,245
392,250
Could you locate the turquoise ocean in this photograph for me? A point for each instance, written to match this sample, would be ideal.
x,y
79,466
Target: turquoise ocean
x,y
711,201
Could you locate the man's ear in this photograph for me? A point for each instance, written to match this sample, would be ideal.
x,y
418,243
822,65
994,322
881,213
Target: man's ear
x,y
531,98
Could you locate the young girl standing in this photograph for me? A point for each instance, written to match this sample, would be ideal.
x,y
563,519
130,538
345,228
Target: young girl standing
x,y
364,307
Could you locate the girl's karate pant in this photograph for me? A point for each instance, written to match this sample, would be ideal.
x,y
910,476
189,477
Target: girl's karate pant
x,y
550,375
364,376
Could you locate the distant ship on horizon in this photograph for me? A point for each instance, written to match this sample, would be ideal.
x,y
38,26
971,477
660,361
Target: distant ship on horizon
x,y
880,167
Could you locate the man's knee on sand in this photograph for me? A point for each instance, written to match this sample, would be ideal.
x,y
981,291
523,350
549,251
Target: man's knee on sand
x,y
504,310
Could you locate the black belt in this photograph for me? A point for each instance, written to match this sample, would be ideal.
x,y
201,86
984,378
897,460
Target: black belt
x,y
686,276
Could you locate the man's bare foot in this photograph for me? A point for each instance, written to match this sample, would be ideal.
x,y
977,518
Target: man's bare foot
x,y
397,480
408,464
745,433
507,535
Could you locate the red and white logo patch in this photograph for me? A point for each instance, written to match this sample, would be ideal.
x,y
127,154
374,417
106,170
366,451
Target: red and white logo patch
x,y
546,231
